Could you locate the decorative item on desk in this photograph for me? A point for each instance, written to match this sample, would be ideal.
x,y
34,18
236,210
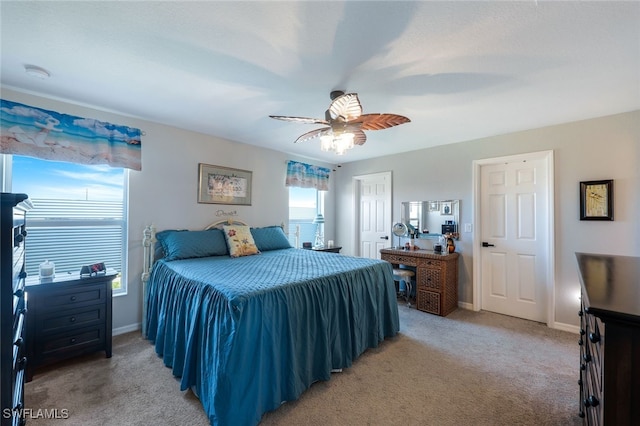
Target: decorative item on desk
x,y
451,247
47,270
95,269
330,244
306,245
399,229
319,221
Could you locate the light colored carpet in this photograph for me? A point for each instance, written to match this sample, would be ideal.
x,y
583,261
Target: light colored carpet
x,y
470,368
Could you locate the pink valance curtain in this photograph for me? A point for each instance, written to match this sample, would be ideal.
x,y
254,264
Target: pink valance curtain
x,y
35,132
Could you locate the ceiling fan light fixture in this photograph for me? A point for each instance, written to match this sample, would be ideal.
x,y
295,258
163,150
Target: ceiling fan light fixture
x,y
340,143
326,143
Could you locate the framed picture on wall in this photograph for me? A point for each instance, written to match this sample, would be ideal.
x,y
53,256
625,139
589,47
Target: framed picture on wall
x,y
596,200
223,185
445,208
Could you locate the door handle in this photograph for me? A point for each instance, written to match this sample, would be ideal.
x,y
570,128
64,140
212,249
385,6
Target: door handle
x,y
386,237
486,244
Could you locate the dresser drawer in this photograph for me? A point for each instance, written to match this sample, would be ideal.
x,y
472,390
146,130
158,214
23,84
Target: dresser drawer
x,y
19,344
18,272
18,297
71,297
70,319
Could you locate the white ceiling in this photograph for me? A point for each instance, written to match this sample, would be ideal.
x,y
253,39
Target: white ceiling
x,y
458,70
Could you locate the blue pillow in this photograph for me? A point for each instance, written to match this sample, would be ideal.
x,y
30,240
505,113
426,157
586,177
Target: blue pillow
x,y
189,244
270,238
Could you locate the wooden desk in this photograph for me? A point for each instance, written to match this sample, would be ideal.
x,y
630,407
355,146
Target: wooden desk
x,y
436,278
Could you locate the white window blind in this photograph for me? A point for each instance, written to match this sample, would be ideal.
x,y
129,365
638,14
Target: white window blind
x,y
72,233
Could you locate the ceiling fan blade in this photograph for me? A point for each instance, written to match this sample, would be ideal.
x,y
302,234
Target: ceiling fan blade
x,y
345,108
313,134
305,120
380,121
359,138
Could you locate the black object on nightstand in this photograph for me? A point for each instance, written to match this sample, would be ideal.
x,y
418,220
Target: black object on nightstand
x,y
69,316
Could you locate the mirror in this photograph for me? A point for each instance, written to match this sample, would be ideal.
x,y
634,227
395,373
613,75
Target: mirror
x,y
431,219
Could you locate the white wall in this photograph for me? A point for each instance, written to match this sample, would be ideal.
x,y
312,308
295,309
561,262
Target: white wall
x,y
601,148
165,191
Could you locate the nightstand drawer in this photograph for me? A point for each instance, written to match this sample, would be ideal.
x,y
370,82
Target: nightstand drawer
x,y
73,297
55,322
53,346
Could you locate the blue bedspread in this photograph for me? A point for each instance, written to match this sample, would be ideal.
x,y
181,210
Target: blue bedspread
x,y
250,333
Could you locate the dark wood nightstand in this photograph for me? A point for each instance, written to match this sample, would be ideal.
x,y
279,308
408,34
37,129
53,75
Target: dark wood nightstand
x,y
68,316
329,249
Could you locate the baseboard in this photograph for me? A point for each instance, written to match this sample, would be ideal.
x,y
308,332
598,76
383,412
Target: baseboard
x,y
565,327
556,325
465,305
126,329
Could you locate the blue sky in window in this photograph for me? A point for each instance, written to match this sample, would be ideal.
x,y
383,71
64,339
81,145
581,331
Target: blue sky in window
x,y
66,181
302,197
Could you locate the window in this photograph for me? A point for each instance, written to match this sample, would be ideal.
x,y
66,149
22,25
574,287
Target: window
x,y
304,204
79,215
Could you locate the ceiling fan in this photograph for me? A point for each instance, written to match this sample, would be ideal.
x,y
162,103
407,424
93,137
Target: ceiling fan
x,y
345,123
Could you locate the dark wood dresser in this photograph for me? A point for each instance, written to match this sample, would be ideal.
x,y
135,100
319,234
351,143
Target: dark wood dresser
x,y
69,316
436,278
13,306
609,339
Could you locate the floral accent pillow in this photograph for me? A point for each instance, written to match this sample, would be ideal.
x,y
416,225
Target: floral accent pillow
x,y
239,240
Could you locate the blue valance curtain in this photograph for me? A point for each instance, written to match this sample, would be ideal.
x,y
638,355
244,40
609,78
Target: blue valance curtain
x,y
307,176
49,135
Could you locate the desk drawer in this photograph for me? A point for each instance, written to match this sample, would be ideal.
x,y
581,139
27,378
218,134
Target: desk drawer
x,y
398,259
429,279
428,301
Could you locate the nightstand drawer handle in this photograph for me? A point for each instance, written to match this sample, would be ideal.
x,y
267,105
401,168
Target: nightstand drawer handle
x,y
72,298
18,342
594,337
72,340
72,319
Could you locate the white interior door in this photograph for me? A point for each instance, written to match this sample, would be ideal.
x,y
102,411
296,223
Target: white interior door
x,y
514,237
374,213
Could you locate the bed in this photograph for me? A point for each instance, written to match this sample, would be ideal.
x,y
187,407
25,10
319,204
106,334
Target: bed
x,y
249,332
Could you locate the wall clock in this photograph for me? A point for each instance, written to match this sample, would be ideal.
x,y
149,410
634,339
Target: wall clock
x,y
596,200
